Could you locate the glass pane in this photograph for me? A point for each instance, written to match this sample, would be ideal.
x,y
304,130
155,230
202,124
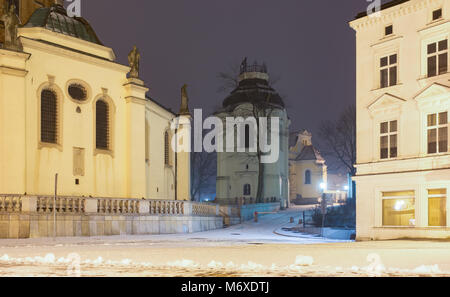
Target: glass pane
x,y
443,118
384,152
432,144
393,146
384,61
393,59
432,48
437,14
431,120
432,65
399,212
384,128
384,78
393,76
389,30
443,140
437,212
399,194
443,63
437,192
393,127
443,45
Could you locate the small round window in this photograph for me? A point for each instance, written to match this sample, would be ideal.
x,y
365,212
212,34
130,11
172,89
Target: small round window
x,y
77,92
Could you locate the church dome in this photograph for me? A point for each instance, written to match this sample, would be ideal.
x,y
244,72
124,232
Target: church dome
x,y
55,19
253,87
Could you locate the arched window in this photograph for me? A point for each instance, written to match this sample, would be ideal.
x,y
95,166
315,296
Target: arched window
x,y
102,125
166,148
49,117
247,136
247,190
307,177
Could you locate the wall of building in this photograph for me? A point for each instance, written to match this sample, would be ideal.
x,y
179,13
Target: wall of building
x,y
409,102
127,169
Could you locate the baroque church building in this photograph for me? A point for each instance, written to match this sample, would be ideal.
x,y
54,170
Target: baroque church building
x,y
67,107
241,177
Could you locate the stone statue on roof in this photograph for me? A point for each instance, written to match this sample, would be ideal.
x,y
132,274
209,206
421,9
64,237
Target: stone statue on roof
x,y
12,22
184,108
134,58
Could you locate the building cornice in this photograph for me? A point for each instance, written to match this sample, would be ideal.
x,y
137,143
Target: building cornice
x,y
390,13
72,54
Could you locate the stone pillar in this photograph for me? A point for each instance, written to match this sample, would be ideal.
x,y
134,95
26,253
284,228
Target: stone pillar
x,y
135,137
187,208
90,205
29,204
183,146
13,120
144,207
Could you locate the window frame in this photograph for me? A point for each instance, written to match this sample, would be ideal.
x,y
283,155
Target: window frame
x,y
441,14
50,85
383,198
430,196
247,190
388,135
307,177
436,54
111,122
436,127
388,68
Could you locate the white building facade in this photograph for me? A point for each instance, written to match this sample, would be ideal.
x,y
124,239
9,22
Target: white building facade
x,y
403,102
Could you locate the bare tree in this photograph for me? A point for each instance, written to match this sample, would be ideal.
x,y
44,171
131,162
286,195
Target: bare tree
x,y
339,139
203,167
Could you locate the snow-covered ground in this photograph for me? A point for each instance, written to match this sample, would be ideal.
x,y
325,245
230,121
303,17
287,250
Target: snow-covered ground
x,y
250,249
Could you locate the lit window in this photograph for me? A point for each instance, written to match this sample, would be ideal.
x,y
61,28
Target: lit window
x,y
247,190
388,71
399,209
102,125
307,177
437,14
437,130
49,116
388,30
437,208
437,54
388,140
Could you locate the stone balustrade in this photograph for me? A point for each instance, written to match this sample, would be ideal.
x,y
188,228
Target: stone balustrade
x,y
10,203
105,206
63,204
118,206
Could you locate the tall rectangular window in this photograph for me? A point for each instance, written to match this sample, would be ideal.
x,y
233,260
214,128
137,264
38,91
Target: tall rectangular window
x,y
437,130
399,209
437,58
437,208
388,71
388,140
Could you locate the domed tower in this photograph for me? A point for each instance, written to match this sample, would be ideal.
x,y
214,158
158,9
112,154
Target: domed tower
x,y
244,169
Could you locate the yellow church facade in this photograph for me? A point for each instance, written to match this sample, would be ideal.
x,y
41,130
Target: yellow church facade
x,y
68,108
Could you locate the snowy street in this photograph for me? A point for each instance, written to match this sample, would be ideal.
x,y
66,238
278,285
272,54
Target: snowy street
x,y
249,249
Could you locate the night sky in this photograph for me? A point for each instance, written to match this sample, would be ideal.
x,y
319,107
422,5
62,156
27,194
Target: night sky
x,y
308,43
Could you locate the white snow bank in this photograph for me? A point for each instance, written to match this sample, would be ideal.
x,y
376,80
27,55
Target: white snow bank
x,y
304,261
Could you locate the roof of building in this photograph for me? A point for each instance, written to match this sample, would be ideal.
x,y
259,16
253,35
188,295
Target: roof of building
x,y
309,153
253,88
55,18
384,6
